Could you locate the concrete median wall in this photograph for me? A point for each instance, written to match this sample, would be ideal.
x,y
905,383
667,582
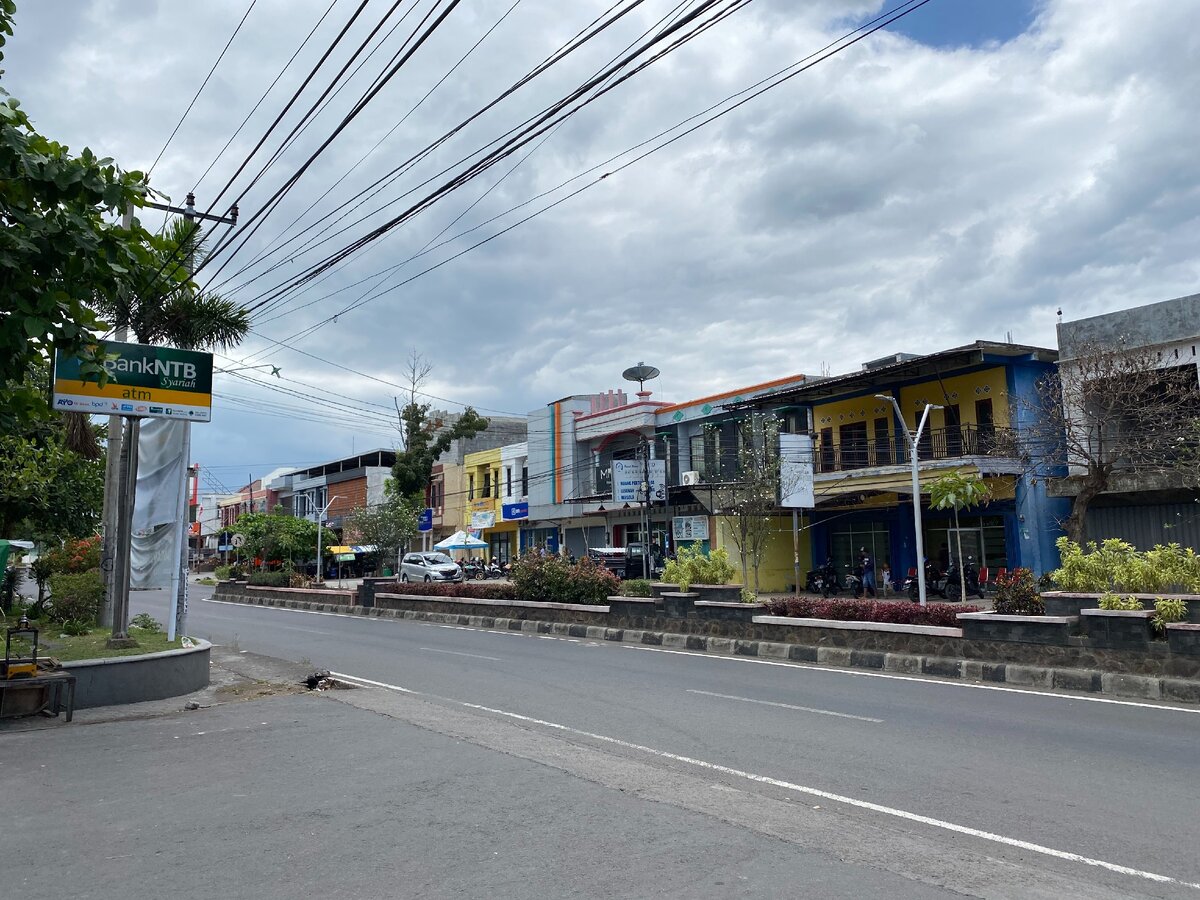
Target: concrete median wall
x,y
133,679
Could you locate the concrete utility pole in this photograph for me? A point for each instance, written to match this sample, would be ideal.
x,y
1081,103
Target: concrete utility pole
x,y
320,549
112,477
914,439
128,484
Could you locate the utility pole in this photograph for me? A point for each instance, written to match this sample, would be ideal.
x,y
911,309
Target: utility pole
x,y
112,477
179,586
645,509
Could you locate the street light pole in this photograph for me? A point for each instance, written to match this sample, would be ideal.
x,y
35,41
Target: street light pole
x,y
913,439
320,519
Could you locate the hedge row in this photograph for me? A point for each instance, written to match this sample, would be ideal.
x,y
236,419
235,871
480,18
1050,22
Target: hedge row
x,y
939,614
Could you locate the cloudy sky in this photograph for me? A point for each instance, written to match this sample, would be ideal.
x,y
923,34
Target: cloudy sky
x,y
959,175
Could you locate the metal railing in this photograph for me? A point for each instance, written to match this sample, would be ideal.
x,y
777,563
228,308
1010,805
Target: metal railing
x,y
936,443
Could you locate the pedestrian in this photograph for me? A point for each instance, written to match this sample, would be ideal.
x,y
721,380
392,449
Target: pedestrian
x,y
867,563
885,575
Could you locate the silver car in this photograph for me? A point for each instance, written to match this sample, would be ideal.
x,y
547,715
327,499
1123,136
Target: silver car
x,y
429,567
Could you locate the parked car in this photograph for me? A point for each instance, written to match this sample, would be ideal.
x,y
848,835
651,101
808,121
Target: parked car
x,y
429,567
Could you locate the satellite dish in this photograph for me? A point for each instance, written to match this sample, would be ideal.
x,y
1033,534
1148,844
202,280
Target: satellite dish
x,y
640,373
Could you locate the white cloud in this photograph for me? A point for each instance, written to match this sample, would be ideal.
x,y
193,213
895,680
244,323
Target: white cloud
x,y
897,197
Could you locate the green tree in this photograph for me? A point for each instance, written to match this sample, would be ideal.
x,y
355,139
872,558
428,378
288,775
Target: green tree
x,y
48,491
389,525
425,437
958,491
278,535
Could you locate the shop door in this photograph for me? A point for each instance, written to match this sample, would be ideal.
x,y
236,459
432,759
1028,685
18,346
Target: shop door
x,y
972,543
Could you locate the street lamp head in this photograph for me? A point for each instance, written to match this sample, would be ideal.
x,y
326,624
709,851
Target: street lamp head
x,y
883,396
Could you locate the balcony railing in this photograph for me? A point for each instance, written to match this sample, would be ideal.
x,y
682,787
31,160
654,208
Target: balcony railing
x,y
936,443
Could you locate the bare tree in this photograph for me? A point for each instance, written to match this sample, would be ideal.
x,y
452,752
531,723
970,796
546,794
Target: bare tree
x,y
1107,415
425,437
751,503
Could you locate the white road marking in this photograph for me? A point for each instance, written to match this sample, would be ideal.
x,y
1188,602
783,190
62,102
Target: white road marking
x,y
807,709
382,684
855,673
458,653
810,791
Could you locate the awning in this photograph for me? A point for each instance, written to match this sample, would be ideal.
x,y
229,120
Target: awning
x,y
356,548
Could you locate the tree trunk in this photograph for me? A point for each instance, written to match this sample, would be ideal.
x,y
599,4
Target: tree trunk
x,y
1076,524
962,569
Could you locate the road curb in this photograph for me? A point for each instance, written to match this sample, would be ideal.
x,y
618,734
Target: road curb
x,y
1136,687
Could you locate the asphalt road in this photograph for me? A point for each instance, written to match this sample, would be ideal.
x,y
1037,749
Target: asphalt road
x,y
933,781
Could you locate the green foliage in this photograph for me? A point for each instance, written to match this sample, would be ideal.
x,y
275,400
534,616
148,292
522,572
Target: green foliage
x,y
75,597
748,596
271,536
269,579
1113,601
553,579
636,587
73,557
957,491
389,525
223,573
692,565
77,627
1166,612
48,490
1115,565
147,623
1016,595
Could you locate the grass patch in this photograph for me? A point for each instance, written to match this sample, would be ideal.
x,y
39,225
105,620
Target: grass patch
x,y
67,648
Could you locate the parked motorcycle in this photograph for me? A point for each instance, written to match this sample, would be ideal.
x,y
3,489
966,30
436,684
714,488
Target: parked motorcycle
x,y
493,570
953,590
854,581
823,581
935,584
472,571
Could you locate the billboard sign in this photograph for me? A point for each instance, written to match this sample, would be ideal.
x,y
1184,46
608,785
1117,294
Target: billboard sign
x,y
143,381
627,478
510,511
425,520
796,471
482,520
690,528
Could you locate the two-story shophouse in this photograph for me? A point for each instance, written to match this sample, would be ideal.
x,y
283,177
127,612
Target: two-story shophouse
x,y
862,463
496,504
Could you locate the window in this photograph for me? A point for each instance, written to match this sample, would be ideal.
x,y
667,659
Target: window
x,y
706,452
508,481
883,443
853,440
524,481
827,450
954,442
470,487
487,484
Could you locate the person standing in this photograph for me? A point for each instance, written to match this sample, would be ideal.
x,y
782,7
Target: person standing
x,y
867,563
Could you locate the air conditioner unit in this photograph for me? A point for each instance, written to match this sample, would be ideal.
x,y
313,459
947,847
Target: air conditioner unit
x,y
691,479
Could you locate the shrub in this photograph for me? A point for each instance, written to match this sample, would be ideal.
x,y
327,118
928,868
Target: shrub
x,y
223,573
1016,595
1110,600
552,579
77,627
1166,612
270,579
692,565
748,596
1117,565
474,590
75,597
72,558
146,622
939,614
636,587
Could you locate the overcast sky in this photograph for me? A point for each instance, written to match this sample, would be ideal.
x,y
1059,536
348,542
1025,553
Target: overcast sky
x,y
960,175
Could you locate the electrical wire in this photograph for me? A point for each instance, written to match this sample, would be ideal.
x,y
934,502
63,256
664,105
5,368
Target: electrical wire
x,y
203,85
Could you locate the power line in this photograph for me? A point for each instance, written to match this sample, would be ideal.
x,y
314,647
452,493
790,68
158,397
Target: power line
x,y
200,90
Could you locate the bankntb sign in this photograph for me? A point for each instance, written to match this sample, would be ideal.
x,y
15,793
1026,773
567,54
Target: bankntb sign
x,y
143,381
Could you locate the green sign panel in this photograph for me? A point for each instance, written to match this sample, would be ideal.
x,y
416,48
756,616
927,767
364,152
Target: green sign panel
x,y
156,382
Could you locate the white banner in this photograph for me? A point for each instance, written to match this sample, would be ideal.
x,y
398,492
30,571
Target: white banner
x,y
481,520
628,475
690,528
796,471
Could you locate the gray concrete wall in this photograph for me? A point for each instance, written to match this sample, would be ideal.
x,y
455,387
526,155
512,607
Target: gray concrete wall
x,y
1143,326
132,679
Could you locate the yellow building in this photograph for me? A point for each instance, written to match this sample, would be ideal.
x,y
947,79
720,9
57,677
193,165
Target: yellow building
x,y
483,491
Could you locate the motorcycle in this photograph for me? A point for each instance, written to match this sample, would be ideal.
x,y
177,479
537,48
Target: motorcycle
x,y
823,581
472,571
953,590
493,570
854,581
935,583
